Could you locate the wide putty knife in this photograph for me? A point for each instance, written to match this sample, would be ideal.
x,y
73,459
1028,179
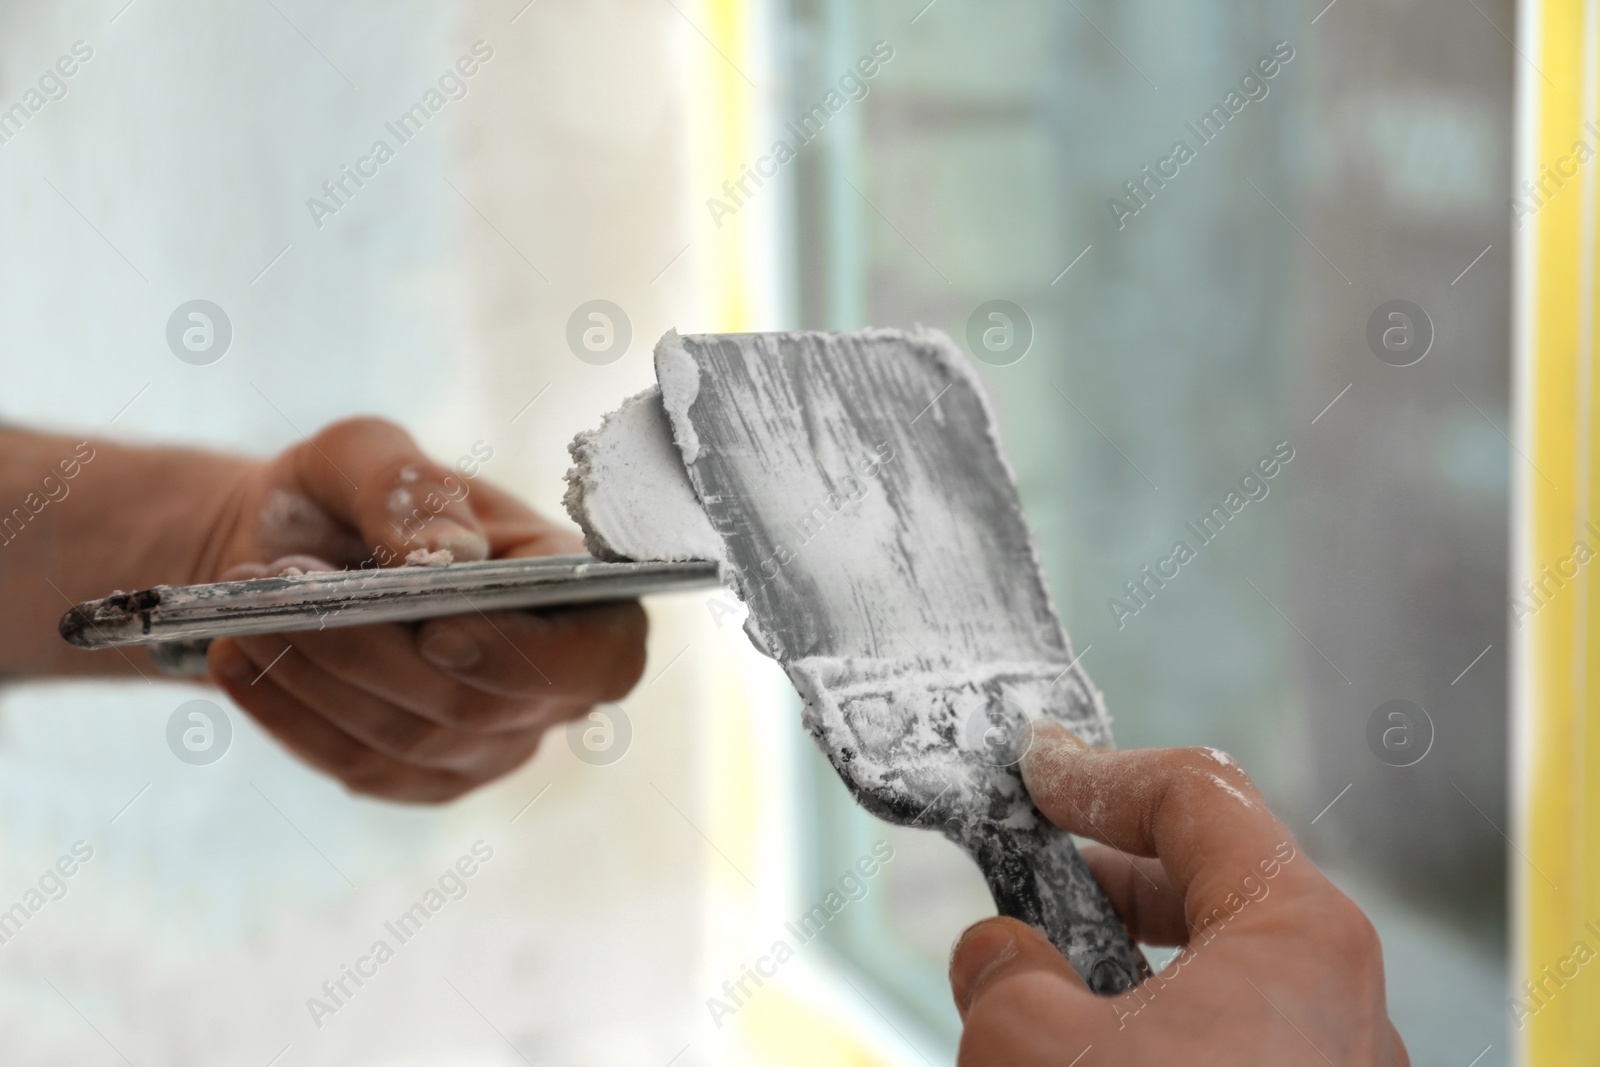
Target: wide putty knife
x,y
873,528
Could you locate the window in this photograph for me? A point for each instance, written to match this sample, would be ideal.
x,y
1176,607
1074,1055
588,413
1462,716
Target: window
x,y
1191,313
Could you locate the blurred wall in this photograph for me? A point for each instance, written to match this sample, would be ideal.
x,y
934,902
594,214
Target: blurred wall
x,y
178,166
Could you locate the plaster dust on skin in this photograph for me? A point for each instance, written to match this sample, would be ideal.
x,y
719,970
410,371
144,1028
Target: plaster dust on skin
x,y
853,489
293,524
1228,788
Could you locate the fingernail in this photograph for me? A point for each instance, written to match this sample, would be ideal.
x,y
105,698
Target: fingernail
x,y
231,663
979,950
448,647
990,944
298,564
462,543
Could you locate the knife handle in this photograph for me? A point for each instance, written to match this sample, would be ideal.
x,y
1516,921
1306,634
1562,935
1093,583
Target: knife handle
x,y
1037,876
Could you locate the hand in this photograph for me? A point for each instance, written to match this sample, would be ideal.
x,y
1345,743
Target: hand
x,y
407,712
1278,967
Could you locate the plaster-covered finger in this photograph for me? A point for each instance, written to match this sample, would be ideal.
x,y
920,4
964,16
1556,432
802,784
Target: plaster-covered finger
x,y
283,565
370,474
1192,808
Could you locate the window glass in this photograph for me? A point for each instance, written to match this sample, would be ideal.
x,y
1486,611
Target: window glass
x,y
1201,215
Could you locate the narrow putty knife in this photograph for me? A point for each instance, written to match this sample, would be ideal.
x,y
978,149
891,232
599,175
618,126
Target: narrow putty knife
x,y
873,529
179,622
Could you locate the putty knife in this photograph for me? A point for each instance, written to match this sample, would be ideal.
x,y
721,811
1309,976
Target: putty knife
x,y
180,621
873,528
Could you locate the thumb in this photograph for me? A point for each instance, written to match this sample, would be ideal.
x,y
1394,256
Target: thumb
x,y
996,949
370,475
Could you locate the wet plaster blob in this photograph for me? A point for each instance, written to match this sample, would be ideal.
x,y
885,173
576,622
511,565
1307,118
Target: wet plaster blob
x,y
853,489
629,492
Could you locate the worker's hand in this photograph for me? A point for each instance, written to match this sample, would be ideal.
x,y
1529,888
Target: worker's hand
x,y
407,712
1279,968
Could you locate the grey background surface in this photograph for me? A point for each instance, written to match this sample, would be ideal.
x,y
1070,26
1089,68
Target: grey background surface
x,y
1221,319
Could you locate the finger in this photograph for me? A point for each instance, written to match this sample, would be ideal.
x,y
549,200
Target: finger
x,y
383,660
995,950
586,654
516,530
321,744
1142,894
1021,1023
1402,1057
1194,810
370,474
298,564
1021,1003
395,732
503,671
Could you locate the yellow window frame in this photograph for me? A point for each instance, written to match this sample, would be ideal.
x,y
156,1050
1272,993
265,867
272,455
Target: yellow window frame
x,y
1555,600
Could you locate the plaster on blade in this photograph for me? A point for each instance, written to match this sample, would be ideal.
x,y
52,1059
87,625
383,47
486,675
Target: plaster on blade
x,y
629,493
